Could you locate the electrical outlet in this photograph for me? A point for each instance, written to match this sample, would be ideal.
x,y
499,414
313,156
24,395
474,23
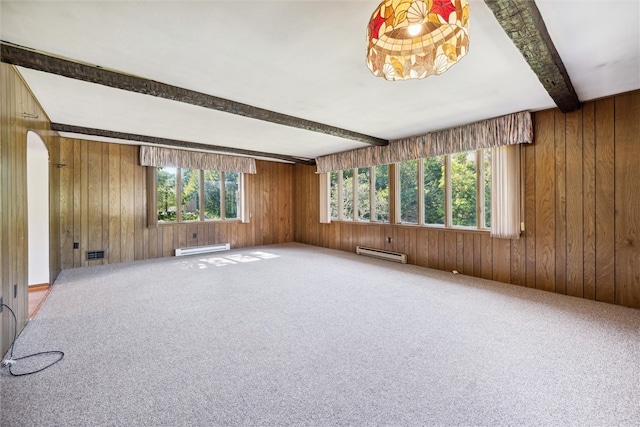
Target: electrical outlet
x,y
15,291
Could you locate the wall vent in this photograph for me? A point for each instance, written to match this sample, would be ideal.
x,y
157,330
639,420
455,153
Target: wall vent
x,y
382,254
95,255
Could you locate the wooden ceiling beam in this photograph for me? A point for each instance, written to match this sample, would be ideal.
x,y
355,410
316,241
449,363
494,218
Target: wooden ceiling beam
x,y
522,22
59,127
29,58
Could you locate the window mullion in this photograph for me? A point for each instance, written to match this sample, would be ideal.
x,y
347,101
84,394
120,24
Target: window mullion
x,y
447,190
396,195
340,195
354,192
223,215
420,192
372,194
178,194
201,196
480,188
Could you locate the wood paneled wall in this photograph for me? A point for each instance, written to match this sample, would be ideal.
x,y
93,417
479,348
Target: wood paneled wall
x,y
103,206
582,212
20,113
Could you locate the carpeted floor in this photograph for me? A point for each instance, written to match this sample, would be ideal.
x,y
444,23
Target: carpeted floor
x,y
299,335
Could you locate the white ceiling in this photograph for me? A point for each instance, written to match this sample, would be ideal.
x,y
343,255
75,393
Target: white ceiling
x,y
305,59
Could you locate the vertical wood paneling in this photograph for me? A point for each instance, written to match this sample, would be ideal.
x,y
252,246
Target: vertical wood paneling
x,y
580,212
84,203
530,193
575,248
66,204
127,202
460,252
16,100
94,198
627,201
589,200
545,200
140,231
114,204
518,262
450,251
422,245
468,254
434,252
108,188
486,250
561,202
501,252
105,200
605,201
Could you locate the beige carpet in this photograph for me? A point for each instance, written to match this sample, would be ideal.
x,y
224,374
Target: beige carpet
x,y
298,335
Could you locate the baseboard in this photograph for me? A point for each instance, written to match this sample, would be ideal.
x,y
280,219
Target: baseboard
x,y
38,287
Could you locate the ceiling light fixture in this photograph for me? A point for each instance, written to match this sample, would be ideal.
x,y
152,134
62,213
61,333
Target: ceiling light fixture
x,y
413,39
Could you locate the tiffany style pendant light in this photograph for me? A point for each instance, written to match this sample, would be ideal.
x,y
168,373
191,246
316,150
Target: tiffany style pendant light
x,y
413,39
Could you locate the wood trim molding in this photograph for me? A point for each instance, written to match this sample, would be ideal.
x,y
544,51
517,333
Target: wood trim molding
x,y
522,22
59,127
30,58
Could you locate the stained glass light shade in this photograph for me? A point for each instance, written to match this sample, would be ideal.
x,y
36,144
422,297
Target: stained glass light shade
x,y
413,39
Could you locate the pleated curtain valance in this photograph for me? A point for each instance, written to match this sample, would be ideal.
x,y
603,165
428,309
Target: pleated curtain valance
x,y
168,157
511,129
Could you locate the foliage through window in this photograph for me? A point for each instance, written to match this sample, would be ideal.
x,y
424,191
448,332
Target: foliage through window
x,y
360,194
451,190
454,190
182,191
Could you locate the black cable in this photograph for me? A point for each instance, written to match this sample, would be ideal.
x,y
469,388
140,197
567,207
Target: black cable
x,y
11,361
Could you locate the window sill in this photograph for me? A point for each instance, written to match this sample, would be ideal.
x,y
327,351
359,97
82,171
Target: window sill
x,y
409,225
209,221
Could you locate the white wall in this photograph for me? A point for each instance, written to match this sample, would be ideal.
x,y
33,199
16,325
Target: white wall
x,y
38,209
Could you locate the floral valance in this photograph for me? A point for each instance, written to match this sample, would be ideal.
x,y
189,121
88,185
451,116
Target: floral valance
x,y
159,157
511,129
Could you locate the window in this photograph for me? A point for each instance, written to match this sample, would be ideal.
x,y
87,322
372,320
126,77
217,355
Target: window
x,y
448,191
166,194
360,194
464,189
452,190
380,193
182,191
409,192
434,185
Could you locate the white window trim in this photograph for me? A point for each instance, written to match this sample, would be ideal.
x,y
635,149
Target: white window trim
x,y
243,211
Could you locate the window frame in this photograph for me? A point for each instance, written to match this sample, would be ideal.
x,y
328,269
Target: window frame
x,y
152,188
394,189
355,196
448,199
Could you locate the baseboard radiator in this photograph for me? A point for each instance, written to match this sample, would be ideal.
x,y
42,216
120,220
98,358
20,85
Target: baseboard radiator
x,y
194,250
382,254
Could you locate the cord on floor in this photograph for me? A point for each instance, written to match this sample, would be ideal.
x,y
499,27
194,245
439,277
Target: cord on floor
x,y
11,361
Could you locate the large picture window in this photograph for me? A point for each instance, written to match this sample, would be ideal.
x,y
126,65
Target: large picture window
x,y
184,195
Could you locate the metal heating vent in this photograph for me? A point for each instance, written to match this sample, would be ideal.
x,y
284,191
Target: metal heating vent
x,y
202,249
95,255
382,254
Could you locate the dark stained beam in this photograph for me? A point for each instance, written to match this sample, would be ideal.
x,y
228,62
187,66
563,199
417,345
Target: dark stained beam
x,y
522,22
29,58
58,127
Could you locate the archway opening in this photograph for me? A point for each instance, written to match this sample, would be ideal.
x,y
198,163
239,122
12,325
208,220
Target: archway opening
x,y
38,210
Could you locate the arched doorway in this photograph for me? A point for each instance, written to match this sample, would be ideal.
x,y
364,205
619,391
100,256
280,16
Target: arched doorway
x,y
38,209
